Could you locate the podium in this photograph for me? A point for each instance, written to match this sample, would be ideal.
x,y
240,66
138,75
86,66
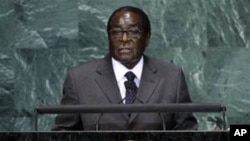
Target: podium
x,y
146,135
130,108
117,136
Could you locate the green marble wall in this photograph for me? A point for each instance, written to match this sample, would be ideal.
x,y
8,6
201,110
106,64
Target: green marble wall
x,y
41,39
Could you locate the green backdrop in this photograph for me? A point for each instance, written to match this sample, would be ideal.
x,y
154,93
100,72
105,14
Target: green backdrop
x,y
41,39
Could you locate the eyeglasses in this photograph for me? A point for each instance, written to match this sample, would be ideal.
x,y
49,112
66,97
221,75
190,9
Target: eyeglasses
x,y
118,33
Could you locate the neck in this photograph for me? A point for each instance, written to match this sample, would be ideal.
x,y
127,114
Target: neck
x,y
131,65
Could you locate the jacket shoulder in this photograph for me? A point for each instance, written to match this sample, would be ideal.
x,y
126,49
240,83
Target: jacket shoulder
x,y
86,67
162,65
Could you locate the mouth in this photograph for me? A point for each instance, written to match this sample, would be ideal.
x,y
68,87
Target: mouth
x,y
125,50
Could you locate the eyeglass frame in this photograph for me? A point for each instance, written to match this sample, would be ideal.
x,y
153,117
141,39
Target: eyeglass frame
x,y
129,32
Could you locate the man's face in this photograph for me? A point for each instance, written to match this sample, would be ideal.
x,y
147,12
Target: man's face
x,y
127,40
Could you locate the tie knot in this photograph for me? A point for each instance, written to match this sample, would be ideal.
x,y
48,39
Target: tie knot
x,y
130,76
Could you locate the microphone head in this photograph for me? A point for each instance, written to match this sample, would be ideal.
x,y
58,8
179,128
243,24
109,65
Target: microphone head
x,y
130,85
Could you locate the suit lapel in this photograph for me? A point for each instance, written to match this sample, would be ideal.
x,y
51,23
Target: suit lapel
x,y
149,81
107,81
108,84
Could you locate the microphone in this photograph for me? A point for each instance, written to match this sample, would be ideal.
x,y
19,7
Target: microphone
x,y
131,87
163,121
98,121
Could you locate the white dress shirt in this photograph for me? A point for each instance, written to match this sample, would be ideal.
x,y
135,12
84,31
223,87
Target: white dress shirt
x,y
120,70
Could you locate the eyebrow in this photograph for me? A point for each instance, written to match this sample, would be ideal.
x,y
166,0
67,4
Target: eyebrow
x,y
130,26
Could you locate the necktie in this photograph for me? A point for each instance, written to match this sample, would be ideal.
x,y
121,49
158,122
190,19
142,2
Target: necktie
x,y
131,88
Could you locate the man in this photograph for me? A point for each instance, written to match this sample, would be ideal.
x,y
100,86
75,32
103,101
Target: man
x,y
105,81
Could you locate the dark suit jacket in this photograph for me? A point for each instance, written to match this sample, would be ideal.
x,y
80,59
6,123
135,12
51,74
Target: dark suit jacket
x,y
95,83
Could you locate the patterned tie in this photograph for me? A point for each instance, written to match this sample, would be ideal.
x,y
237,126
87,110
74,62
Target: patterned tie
x,y
131,88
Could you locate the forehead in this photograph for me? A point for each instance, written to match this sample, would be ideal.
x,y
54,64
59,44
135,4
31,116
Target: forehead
x,y
126,18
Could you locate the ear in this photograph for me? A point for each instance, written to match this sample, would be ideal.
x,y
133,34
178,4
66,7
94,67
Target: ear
x,y
109,38
147,38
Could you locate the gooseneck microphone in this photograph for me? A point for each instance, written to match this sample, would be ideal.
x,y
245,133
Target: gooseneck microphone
x,y
132,89
130,86
163,121
98,122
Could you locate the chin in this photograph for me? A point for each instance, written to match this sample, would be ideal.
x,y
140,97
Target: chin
x,y
125,61
128,60
124,57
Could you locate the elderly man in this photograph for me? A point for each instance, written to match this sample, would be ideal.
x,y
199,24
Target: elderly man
x,y
126,76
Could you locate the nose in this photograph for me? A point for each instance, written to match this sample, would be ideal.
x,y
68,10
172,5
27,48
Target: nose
x,y
124,36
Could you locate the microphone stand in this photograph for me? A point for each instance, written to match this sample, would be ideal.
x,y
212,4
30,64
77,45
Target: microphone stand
x,y
98,121
140,101
130,87
163,121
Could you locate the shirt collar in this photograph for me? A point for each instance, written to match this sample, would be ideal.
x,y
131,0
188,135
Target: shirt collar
x,y
120,70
